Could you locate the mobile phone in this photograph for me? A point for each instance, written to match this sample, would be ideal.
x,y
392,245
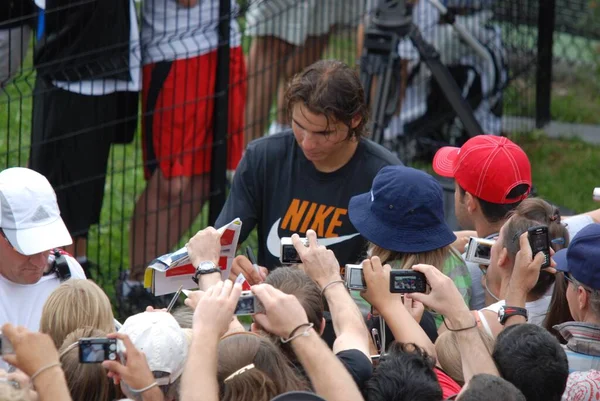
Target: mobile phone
x,y
479,250
355,278
289,255
246,304
6,347
97,349
539,242
407,281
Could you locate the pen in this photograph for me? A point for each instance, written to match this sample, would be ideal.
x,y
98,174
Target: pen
x,y
172,304
250,255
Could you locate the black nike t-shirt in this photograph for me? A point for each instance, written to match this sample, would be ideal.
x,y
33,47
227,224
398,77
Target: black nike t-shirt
x,y
281,192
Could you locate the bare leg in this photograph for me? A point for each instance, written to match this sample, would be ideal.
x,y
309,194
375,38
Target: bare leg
x,y
264,69
163,213
300,58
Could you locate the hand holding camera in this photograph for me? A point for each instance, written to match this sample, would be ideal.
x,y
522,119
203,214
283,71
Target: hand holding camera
x,y
135,371
29,351
377,282
318,262
214,310
282,312
444,297
528,265
204,246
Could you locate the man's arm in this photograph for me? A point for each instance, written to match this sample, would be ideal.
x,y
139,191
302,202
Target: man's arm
x,y
321,265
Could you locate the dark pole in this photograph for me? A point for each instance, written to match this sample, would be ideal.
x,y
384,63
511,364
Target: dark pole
x,y
218,172
543,92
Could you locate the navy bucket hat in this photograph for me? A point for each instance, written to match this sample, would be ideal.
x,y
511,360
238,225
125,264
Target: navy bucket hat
x,y
403,212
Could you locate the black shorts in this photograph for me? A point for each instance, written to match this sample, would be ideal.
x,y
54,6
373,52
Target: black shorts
x,y
70,144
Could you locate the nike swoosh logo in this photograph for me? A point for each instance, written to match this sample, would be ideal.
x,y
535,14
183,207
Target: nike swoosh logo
x,y
274,242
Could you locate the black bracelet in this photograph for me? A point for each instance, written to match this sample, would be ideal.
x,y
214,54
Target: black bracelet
x,y
461,329
296,329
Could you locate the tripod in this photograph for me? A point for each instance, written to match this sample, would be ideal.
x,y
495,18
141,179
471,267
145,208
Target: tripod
x,y
392,21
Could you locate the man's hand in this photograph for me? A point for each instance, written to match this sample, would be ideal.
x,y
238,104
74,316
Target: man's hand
x,y
204,246
283,312
462,239
377,279
242,264
444,297
214,310
526,271
414,307
193,298
318,262
33,350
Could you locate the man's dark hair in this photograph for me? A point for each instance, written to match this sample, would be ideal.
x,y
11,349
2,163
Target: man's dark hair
x,y
405,373
495,212
533,360
484,387
331,88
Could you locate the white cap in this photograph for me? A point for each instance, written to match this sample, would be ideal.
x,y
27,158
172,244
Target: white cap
x,y
29,214
160,338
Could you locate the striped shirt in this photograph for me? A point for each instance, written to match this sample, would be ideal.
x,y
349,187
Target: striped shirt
x,y
583,345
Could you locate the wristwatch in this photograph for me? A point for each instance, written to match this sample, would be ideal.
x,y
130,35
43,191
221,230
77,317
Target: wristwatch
x,y
507,311
206,267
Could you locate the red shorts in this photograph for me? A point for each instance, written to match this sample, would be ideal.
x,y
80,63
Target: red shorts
x,y
178,107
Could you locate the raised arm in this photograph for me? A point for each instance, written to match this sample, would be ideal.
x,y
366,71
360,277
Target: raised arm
x,y
322,267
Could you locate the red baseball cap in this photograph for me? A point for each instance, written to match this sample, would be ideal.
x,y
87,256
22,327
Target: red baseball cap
x,y
486,166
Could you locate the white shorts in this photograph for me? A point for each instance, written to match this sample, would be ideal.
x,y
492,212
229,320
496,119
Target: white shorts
x,y
294,20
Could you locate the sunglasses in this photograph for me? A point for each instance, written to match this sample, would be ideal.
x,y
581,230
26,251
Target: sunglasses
x,y
569,279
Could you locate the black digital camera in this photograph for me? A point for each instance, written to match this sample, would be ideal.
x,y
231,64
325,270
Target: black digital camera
x,y
97,349
407,281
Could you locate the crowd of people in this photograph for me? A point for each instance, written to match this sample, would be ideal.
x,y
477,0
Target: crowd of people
x,y
517,327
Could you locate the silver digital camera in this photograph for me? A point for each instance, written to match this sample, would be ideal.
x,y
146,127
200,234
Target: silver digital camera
x,y
355,278
479,250
288,254
246,305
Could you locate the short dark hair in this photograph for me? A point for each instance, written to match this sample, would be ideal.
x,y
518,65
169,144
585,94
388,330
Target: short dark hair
x,y
484,387
405,373
533,360
495,212
331,88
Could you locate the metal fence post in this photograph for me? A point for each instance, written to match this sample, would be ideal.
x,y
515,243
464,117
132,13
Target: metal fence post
x,y
218,172
546,19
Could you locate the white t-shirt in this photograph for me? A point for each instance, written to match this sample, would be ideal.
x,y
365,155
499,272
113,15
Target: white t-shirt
x,y
22,304
171,31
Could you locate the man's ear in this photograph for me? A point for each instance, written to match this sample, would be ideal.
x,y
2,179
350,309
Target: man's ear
x,y
322,328
583,298
356,120
255,328
503,259
471,203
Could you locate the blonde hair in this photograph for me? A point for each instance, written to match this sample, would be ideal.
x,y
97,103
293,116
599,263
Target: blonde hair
x,y
9,393
436,258
448,353
73,305
86,381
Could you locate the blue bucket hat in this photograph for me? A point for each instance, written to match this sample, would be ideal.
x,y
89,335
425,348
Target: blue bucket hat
x,y
581,258
403,212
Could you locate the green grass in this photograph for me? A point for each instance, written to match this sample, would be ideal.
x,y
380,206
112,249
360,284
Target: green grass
x,y
564,171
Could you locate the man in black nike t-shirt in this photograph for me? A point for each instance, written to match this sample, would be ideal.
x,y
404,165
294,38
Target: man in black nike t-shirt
x,y
303,179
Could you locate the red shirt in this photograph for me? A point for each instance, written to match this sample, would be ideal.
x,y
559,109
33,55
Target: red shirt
x,y
448,385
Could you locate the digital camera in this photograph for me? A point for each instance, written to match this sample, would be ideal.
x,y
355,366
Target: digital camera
x,y
246,304
288,254
97,349
355,278
407,281
479,250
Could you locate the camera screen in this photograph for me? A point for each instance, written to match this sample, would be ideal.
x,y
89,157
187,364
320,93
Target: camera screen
x,y
539,242
406,283
483,251
357,278
95,352
290,254
245,306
